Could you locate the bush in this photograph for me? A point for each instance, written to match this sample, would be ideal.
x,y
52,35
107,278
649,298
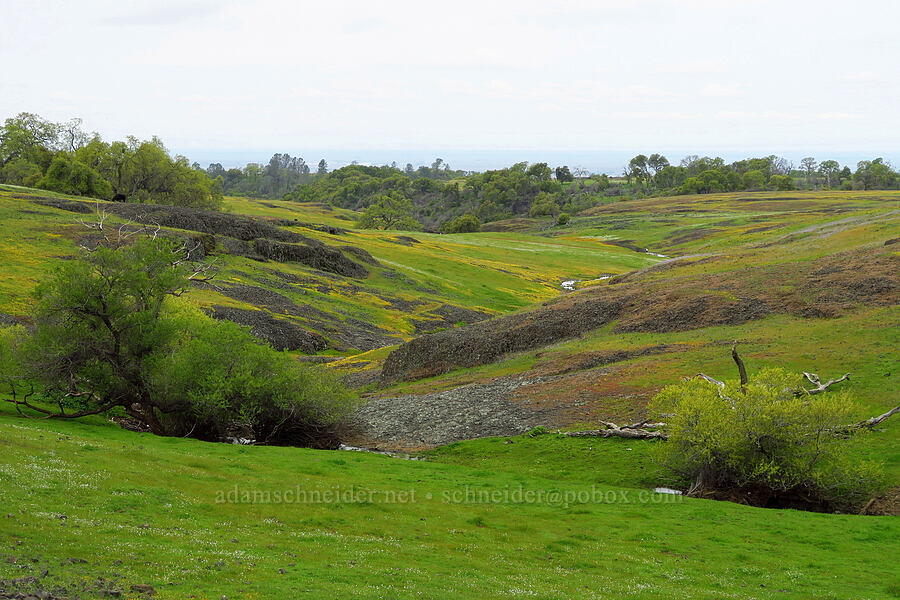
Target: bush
x,y
465,224
562,219
20,170
76,178
766,443
216,374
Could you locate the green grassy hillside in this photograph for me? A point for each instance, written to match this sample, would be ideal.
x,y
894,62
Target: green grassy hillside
x,y
98,507
419,284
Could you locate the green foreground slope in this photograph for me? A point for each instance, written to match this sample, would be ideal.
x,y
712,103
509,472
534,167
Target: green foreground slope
x,y
144,510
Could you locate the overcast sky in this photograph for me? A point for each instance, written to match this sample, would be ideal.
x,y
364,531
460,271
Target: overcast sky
x,y
640,75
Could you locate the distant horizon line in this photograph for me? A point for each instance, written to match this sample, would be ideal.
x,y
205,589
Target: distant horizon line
x,y
475,159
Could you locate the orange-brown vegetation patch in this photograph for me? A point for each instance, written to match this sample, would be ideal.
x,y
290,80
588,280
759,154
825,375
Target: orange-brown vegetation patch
x,y
587,396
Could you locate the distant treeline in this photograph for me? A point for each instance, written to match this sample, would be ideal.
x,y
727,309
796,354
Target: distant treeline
x,y
703,175
284,173
462,203
63,158
521,189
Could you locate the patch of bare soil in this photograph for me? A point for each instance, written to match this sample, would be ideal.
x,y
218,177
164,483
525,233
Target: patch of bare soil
x,y
592,360
586,396
503,406
887,504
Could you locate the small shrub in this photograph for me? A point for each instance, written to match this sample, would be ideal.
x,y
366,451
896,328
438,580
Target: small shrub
x,y
765,440
539,430
562,219
465,224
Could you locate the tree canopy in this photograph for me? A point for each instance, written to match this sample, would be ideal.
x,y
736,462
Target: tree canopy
x,y
110,334
63,158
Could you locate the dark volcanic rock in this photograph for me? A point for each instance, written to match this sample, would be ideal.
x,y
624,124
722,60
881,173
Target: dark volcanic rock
x,y
68,205
279,333
485,342
820,288
362,255
7,320
180,217
315,255
344,333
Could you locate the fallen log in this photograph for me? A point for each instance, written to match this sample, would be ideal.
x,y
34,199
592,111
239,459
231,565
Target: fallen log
x,y
635,431
868,423
632,434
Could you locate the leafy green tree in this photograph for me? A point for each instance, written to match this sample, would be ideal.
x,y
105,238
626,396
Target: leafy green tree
x,y
72,177
830,169
322,168
846,173
602,181
562,219
390,211
544,205
20,171
809,165
30,137
639,169
563,175
108,334
656,163
540,172
781,183
766,437
711,181
875,175
754,180
670,177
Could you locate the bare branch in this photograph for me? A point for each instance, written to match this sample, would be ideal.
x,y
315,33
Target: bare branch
x,y
868,423
721,384
820,387
740,365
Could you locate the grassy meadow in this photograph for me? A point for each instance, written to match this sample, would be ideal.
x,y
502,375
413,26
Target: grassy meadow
x,y
143,510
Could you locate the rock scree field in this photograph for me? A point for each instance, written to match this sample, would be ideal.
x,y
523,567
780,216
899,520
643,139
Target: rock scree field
x,y
471,357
